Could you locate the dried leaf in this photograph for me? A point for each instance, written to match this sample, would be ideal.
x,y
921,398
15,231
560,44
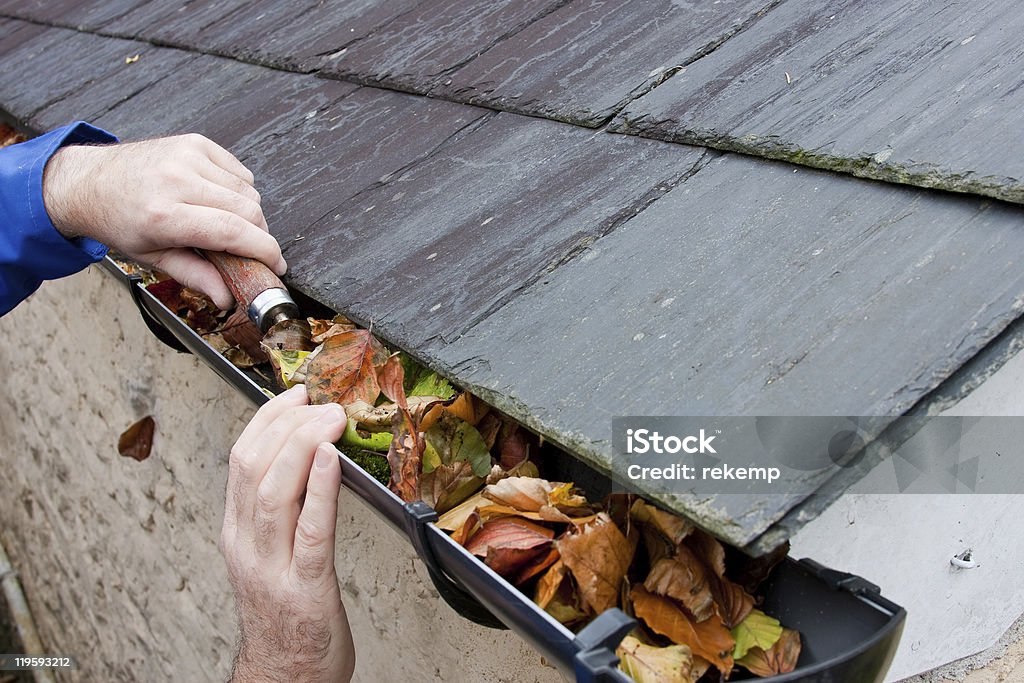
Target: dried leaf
x,y
454,518
288,335
405,454
508,543
345,369
320,330
454,440
465,406
709,550
530,494
535,567
734,603
137,440
780,659
549,583
470,526
509,532
513,444
650,664
390,376
672,527
757,630
447,485
598,555
523,469
241,332
682,577
708,639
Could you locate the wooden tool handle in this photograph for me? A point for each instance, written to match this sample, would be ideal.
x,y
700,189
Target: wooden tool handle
x,y
246,278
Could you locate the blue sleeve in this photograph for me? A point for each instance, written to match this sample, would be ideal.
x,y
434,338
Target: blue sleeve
x,y
31,249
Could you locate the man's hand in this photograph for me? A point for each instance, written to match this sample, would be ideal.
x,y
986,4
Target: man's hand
x,y
278,540
156,200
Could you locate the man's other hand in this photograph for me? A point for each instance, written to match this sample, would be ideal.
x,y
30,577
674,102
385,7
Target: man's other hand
x,y
156,200
278,540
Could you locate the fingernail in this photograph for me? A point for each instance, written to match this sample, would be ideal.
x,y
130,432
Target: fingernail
x,y
324,453
282,267
332,414
296,390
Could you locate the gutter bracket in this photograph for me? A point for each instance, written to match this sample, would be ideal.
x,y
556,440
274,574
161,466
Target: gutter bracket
x,y
597,662
418,516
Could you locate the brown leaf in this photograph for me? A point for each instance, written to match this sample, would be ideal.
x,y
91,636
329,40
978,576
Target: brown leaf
x,y
598,555
455,517
672,527
530,494
239,331
513,444
489,427
549,583
682,577
470,526
289,335
536,567
780,659
734,603
405,455
708,639
391,378
449,484
319,330
345,369
137,440
709,550
508,543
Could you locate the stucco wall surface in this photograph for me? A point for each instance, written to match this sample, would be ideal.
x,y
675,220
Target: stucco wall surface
x,y
119,558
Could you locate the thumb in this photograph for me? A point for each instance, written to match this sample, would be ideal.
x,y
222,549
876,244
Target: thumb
x,y
313,557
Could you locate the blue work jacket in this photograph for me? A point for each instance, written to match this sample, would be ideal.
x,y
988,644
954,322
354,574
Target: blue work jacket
x,y
31,249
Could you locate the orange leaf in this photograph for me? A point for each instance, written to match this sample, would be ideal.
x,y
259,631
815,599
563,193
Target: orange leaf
x,y
549,583
137,440
345,369
536,567
708,639
781,658
465,406
598,555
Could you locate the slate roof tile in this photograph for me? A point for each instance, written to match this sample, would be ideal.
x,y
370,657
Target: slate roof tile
x,y
583,62
911,91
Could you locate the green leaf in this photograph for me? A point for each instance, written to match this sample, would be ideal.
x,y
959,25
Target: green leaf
x,y
370,441
286,363
419,381
757,630
456,440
